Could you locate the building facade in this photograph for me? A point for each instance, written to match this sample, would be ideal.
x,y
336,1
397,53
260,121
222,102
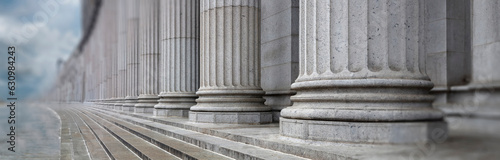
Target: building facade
x,y
325,70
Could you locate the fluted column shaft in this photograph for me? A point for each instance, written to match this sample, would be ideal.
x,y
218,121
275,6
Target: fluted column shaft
x,y
179,56
112,46
230,62
149,56
121,53
361,61
132,62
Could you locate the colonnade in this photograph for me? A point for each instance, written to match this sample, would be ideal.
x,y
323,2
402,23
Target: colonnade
x,y
361,74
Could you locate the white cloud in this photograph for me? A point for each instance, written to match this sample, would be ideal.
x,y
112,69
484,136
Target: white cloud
x,y
41,47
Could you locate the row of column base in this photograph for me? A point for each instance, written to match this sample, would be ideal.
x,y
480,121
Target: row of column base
x,y
316,130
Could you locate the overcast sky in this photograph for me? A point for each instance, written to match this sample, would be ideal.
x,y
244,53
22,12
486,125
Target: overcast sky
x,y
42,31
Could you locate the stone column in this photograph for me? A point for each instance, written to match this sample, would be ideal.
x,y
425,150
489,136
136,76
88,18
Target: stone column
x,y
112,29
362,75
149,56
121,54
230,89
132,55
109,54
180,57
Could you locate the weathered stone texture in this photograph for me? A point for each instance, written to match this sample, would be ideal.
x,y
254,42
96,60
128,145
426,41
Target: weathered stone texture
x,y
230,59
180,40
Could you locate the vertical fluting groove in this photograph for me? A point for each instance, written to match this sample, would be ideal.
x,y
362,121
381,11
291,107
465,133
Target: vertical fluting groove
x,y
149,47
169,43
228,41
219,44
339,40
184,43
377,41
203,44
310,37
140,50
157,49
257,44
195,46
176,28
163,48
322,33
412,36
421,47
302,37
236,46
213,43
190,65
251,44
357,35
147,51
396,34
244,46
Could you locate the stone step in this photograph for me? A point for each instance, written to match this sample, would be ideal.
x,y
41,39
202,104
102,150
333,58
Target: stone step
x,y
94,147
178,148
74,146
114,148
142,148
264,136
223,146
66,141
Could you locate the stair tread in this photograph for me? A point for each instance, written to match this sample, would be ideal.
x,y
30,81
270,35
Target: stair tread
x,y
95,149
149,150
234,149
189,149
114,146
71,135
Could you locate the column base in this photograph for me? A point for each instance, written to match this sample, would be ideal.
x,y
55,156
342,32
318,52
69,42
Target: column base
x,y
231,117
128,108
129,104
148,110
146,104
171,112
118,103
365,132
175,104
118,106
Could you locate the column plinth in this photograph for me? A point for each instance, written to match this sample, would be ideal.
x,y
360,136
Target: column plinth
x,y
362,75
146,103
175,104
230,89
118,104
129,104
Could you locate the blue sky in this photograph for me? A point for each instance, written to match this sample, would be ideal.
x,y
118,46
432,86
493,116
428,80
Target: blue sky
x,y
43,31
